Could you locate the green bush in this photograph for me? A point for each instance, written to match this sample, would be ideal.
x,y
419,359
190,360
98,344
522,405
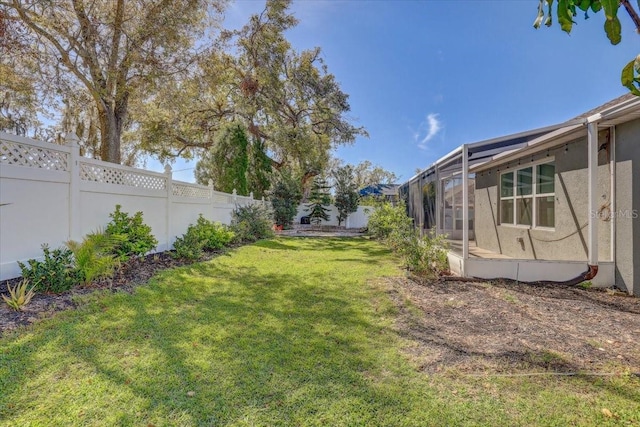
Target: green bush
x,y
425,256
94,256
55,273
251,223
390,222
285,197
135,235
204,235
188,246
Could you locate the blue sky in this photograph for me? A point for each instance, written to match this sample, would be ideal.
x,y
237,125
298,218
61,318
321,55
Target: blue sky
x,y
424,77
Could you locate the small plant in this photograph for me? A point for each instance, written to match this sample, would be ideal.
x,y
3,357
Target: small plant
x,y
19,296
55,273
136,237
586,285
204,235
94,257
424,256
251,223
188,246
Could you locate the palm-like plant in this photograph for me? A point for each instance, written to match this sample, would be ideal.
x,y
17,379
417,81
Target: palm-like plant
x,y
19,296
94,255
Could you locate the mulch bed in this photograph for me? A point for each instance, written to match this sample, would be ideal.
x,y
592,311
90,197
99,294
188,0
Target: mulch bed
x,y
509,327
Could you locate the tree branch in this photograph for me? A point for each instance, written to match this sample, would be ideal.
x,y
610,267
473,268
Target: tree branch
x,y
632,13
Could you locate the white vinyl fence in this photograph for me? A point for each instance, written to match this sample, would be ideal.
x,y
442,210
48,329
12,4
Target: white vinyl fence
x,y
50,194
358,219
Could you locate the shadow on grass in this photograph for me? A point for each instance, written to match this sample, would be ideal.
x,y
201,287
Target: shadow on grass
x,y
246,343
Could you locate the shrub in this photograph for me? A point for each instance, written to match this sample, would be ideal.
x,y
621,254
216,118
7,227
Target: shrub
x,y
214,234
53,274
204,235
251,223
19,296
189,246
94,257
425,256
136,237
390,222
285,197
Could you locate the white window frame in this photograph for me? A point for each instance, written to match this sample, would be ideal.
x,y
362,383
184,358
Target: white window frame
x,y
534,196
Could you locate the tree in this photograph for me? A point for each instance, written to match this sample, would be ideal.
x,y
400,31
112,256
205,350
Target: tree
x,y
111,49
567,10
259,173
365,173
226,163
285,197
318,199
18,99
291,105
346,192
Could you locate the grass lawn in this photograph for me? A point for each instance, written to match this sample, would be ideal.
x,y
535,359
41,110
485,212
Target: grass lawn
x,y
284,332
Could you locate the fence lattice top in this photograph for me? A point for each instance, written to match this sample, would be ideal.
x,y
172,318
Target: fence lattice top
x,y
183,190
14,153
107,175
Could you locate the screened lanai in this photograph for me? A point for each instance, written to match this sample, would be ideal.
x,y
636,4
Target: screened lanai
x,y
440,198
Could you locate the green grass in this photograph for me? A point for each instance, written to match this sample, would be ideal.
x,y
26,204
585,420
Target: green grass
x,y
283,332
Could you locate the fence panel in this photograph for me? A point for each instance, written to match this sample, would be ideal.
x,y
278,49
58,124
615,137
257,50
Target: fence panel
x,y
49,194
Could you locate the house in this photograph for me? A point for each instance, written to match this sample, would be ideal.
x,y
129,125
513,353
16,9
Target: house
x,y
550,204
388,192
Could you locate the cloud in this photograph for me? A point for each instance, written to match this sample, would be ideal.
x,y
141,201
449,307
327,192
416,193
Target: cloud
x,y
430,128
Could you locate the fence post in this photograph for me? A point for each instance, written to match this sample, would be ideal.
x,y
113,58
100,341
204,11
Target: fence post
x,y
264,204
72,141
213,205
235,197
169,173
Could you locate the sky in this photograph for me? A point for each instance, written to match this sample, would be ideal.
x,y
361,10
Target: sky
x,y
424,77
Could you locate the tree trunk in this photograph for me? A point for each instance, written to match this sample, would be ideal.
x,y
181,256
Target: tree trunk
x,y
111,125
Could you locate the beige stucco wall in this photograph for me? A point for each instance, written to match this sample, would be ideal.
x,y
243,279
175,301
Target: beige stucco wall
x,y
628,207
568,240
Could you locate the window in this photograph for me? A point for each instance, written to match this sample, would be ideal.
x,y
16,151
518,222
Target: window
x,y
527,196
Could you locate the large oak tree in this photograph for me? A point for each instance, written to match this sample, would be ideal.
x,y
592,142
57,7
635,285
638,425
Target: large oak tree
x,y
113,50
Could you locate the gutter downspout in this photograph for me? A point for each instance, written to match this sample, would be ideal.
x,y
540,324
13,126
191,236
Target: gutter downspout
x,y
592,231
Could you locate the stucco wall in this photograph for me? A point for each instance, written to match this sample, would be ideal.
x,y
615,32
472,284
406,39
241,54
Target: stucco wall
x,y
568,240
628,207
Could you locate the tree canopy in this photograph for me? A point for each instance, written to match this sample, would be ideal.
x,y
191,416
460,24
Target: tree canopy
x,y
112,50
159,78
289,102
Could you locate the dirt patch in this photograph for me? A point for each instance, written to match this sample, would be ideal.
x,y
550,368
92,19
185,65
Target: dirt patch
x,y
133,273
507,327
303,230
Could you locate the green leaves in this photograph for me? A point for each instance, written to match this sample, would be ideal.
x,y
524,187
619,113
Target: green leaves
x,y
628,77
612,24
566,10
